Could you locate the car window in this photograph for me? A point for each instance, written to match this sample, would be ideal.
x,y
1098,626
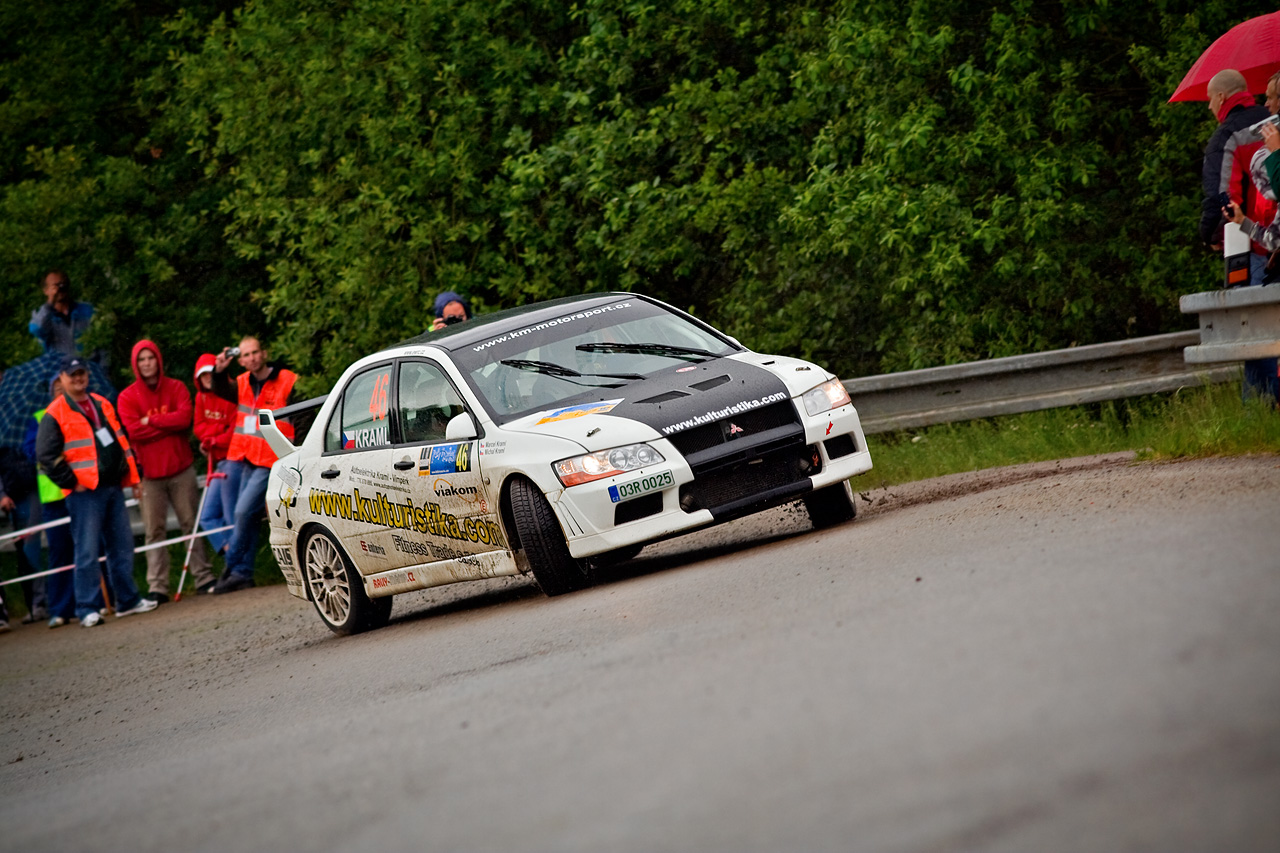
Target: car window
x,y
426,402
361,420
582,356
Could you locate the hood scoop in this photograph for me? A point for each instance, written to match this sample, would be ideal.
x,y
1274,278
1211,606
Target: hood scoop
x,y
708,384
664,397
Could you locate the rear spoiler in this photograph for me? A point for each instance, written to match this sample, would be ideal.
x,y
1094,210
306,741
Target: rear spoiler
x,y
299,413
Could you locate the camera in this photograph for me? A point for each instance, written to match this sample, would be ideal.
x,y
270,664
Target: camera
x,y
1257,126
232,352
449,321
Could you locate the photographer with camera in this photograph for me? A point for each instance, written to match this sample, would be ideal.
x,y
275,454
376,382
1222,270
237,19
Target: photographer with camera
x,y
1226,164
450,308
249,457
61,320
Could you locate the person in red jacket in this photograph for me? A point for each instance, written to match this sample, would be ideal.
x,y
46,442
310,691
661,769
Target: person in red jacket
x,y
215,423
156,413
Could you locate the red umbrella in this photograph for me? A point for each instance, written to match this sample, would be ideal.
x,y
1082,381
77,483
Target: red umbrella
x,y
1252,48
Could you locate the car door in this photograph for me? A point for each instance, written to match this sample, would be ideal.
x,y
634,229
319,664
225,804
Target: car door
x,y
455,517
361,495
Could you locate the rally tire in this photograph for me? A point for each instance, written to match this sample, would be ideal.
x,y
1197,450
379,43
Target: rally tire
x,y
336,588
556,571
831,505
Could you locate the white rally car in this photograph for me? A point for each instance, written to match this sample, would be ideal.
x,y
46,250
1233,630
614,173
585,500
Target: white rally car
x,y
551,438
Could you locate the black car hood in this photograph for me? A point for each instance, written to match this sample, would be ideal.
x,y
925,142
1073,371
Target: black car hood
x,y
690,395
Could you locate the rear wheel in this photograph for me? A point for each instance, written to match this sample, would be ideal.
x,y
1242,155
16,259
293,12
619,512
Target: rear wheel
x,y
556,571
337,589
831,505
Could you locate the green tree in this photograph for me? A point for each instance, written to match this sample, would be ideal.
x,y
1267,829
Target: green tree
x,y
876,185
360,141
86,185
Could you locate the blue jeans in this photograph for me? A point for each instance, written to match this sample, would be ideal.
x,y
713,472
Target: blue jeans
x,y
219,506
98,518
1260,373
60,588
249,484
1260,379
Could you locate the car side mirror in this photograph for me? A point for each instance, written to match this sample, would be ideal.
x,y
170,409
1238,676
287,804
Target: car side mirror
x,y
461,428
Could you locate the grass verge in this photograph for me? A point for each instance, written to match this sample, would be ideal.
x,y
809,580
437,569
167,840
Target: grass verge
x,y
1193,422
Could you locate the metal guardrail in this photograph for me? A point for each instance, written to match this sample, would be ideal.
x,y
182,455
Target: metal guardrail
x,y
1028,383
1003,386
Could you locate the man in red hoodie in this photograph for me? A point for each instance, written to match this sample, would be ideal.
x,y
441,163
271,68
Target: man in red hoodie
x,y
156,413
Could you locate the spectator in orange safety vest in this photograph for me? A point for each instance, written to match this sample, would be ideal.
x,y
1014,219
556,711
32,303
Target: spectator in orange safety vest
x,y
83,449
261,386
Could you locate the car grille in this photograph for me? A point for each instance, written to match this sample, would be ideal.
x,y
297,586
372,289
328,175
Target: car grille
x,y
745,485
757,420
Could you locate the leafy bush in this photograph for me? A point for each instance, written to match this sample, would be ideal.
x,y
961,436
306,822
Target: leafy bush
x,y
876,185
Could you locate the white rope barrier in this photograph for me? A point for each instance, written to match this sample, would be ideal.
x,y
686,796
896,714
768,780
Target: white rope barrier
x,y
166,543
36,528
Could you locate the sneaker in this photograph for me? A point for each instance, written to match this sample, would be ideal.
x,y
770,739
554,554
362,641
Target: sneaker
x,y
90,620
37,615
206,588
158,597
232,583
4,627
57,622
104,612
144,605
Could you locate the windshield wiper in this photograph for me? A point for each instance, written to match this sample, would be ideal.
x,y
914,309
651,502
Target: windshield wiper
x,y
690,353
559,370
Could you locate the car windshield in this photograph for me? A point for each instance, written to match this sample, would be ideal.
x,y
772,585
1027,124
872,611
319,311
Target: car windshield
x,y
583,356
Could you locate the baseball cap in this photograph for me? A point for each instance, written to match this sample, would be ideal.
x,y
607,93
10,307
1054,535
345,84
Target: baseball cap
x,y
72,363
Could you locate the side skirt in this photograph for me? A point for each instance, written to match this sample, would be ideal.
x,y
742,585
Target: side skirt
x,y
492,564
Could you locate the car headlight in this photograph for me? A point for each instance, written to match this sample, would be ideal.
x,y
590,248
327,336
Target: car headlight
x,y
824,398
605,463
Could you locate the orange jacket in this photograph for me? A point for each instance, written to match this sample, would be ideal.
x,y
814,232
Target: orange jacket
x,y
79,446
247,443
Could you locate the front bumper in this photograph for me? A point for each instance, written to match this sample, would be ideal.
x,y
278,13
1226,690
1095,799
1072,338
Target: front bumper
x,y
715,484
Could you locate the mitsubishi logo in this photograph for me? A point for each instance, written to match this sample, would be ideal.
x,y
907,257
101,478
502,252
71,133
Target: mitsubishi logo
x,y
734,429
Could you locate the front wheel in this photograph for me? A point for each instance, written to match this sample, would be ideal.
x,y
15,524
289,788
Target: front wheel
x,y
556,571
831,505
609,559
337,589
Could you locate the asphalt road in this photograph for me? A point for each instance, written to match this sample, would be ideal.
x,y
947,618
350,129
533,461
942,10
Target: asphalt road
x,y
1075,658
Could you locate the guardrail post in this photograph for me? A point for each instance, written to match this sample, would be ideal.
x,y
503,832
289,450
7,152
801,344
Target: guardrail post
x,y
1241,324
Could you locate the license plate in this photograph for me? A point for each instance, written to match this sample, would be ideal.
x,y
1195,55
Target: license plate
x,y
641,486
